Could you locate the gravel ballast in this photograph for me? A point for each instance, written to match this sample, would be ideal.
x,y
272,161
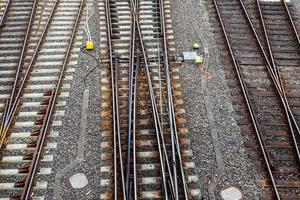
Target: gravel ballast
x,y
79,137
220,156
219,153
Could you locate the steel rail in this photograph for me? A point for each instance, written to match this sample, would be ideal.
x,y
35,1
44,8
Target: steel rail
x,y
22,55
279,90
276,82
9,102
135,188
163,156
32,169
117,118
116,123
134,172
2,134
298,40
169,97
250,107
267,39
131,170
133,78
278,76
172,120
12,107
291,21
48,118
4,13
4,113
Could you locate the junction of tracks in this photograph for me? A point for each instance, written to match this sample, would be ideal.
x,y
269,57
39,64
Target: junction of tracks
x,y
149,99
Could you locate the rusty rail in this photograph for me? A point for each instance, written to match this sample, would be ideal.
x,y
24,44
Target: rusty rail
x,y
165,167
291,21
250,106
277,76
131,174
115,107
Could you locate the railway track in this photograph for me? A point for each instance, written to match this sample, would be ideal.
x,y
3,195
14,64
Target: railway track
x,y
4,8
262,52
145,152
39,48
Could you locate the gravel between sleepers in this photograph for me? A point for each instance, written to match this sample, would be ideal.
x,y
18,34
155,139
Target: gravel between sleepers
x,y
218,146
220,156
70,143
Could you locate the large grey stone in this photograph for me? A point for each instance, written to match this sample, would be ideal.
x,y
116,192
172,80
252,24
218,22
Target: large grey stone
x,y
78,181
231,193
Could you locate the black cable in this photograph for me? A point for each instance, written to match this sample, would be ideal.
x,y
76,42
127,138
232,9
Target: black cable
x,y
95,58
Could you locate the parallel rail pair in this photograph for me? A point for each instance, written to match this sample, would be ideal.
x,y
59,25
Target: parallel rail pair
x,y
276,80
171,166
20,82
